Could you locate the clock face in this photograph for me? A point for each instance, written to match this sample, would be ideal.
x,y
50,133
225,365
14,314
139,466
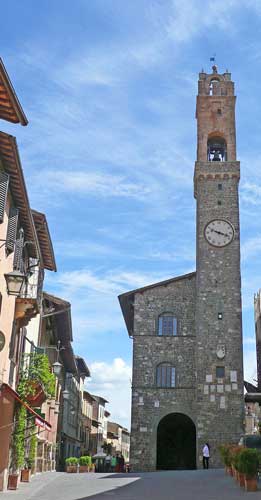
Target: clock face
x,y
219,232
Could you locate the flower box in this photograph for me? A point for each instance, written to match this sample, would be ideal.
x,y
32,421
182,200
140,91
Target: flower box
x,y
12,482
71,469
37,396
25,475
84,468
250,483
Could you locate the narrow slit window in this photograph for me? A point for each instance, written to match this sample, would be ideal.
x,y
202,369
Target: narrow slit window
x,y
220,187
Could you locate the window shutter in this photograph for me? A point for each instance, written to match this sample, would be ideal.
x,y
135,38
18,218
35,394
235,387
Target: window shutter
x,y
12,229
4,180
18,254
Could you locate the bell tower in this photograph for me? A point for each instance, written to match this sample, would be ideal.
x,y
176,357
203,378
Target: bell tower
x,y
218,350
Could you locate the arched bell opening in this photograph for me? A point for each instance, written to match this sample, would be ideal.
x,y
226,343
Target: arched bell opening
x,y
217,149
214,86
176,443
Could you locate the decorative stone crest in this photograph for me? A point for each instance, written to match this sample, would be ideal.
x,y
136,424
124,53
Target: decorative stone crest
x,y
221,351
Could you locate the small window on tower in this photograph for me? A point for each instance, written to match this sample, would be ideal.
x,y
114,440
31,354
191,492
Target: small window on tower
x,y
220,315
220,187
220,371
219,112
167,325
219,202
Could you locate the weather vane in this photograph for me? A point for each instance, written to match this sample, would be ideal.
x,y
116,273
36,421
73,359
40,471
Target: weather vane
x,y
213,60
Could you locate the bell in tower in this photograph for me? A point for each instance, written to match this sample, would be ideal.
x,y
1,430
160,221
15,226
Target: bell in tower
x,y
217,150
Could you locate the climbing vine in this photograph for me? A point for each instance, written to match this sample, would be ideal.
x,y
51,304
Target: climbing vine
x,y
18,448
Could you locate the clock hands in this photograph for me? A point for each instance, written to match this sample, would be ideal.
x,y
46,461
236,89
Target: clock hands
x,y
219,232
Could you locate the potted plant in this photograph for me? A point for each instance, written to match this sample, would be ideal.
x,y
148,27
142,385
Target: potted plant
x,y
26,473
226,457
17,450
71,464
249,463
238,467
234,453
85,463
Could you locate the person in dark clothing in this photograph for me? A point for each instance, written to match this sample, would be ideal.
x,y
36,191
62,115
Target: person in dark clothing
x,y
121,463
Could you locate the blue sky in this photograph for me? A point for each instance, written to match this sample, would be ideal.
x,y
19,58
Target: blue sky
x,y
109,88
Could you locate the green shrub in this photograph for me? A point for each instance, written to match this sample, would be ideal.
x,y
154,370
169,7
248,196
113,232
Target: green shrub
x,y
71,461
249,461
226,455
32,450
85,460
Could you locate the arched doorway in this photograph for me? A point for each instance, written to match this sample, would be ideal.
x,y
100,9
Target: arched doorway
x,y
176,442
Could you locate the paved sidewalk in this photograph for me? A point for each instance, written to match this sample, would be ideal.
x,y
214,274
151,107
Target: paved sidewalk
x,y
212,484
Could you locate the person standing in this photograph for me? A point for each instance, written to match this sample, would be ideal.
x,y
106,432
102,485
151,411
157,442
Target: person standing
x,y
108,463
113,463
206,455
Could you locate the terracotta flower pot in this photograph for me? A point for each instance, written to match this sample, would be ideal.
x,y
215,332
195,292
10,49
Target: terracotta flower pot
x,y
250,483
25,475
71,469
38,396
84,468
12,482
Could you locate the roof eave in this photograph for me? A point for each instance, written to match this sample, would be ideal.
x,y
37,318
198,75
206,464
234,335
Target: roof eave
x,y
46,248
127,299
17,108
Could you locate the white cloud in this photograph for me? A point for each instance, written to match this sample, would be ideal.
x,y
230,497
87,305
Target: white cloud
x,y
250,373
94,183
189,19
251,247
113,382
251,193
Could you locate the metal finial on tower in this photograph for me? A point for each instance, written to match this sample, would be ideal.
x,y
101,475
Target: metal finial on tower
x,y
214,67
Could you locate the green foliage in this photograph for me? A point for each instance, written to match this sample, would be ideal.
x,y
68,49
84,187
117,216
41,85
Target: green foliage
x,y
85,460
225,453
18,449
32,450
36,368
71,461
249,461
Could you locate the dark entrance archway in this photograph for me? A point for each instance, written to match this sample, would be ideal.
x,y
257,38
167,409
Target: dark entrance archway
x,y
176,442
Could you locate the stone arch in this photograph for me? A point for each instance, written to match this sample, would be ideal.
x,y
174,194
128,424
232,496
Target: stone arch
x,y
216,147
176,442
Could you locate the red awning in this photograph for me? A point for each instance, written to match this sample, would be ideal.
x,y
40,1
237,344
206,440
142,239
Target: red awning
x,y
38,419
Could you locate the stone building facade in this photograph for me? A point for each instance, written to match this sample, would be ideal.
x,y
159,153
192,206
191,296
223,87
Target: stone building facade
x,y
187,386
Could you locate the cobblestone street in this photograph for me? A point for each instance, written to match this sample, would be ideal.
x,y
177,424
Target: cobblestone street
x,y
179,485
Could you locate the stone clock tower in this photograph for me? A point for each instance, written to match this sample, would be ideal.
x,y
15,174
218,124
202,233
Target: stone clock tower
x,y
187,385
218,321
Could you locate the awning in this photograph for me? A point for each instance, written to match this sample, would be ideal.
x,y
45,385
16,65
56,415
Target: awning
x,y
39,421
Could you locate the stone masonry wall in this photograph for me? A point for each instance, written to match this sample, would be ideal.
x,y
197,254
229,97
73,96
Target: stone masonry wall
x,y
149,403
220,401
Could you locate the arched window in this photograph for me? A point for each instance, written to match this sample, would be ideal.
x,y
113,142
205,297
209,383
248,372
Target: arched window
x,y
217,149
165,376
214,86
167,324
